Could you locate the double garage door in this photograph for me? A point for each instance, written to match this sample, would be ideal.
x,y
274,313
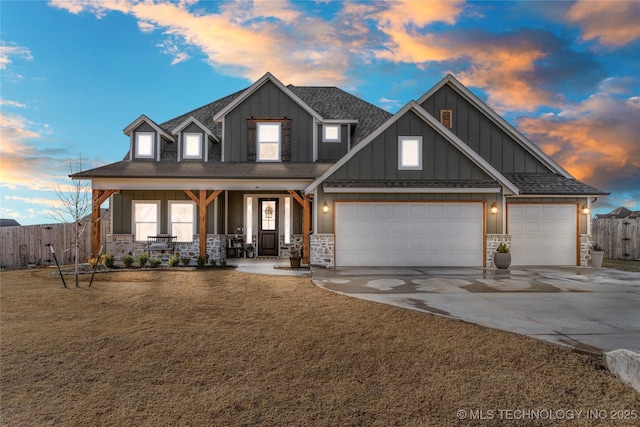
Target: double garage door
x,y
450,234
409,234
543,234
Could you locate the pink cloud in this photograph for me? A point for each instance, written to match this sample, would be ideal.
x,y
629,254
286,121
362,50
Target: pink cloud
x,y
612,23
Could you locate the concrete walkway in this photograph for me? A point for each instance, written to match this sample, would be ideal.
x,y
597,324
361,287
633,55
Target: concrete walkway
x,y
592,310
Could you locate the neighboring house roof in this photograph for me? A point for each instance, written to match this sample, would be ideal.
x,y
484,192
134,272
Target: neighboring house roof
x,y
438,127
9,222
498,120
551,184
620,213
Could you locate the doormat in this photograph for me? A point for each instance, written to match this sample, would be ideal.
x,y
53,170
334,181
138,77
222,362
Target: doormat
x,y
268,257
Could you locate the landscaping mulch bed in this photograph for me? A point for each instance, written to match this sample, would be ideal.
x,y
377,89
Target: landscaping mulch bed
x,y
222,347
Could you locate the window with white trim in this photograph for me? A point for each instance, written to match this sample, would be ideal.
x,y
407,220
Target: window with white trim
x,y
331,133
145,219
144,144
182,216
249,219
410,152
192,146
268,141
287,220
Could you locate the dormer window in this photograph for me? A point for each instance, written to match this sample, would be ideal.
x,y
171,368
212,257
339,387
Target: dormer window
x,y
144,145
331,133
268,141
192,146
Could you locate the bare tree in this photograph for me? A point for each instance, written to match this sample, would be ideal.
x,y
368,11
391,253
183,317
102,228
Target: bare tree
x,y
76,205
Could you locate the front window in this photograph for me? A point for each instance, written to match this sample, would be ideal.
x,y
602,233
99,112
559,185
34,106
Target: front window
x,y
330,133
144,144
192,147
410,152
181,220
268,141
145,219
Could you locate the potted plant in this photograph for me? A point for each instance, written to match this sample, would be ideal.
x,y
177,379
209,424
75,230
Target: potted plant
x,y
597,255
294,257
502,257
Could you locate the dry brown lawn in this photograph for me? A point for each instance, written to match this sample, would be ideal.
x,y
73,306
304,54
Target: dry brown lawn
x,y
150,348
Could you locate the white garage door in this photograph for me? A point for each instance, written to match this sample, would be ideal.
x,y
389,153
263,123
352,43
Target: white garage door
x,y
409,234
542,234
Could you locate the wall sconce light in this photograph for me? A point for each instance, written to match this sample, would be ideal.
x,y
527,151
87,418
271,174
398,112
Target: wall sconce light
x,y
585,210
494,209
325,207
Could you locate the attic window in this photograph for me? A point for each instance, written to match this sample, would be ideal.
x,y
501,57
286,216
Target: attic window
x,y
192,146
144,145
410,152
330,133
446,118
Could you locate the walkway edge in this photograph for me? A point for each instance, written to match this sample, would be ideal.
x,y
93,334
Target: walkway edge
x,y
625,364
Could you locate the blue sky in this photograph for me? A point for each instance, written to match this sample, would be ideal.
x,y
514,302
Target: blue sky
x,y
74,74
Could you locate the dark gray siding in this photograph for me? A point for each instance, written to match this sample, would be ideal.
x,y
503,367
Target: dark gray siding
x,y
268,101
481,134
379,159
333,151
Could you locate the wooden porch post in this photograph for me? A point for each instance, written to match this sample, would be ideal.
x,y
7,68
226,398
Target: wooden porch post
x,y
97,197
306,223
203,201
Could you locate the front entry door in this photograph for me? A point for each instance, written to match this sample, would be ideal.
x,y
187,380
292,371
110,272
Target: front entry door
x,y
268,228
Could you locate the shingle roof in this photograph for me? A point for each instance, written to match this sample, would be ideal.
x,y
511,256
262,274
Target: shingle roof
x,y
9,222
550,183
411,184
148,169
333,103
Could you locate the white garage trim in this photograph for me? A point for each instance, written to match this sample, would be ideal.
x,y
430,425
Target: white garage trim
x,y
543,233
410,233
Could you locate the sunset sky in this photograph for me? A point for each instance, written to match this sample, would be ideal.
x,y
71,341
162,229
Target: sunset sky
x,y
75,73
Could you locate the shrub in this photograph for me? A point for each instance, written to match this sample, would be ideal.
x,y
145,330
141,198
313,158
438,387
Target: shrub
x,y
155,262
108,260
143,259
173,261
212,261
223,262
185,261
502,249
201,261
127,260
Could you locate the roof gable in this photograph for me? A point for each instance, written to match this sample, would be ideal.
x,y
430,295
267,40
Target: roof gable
x,y
413,108
501,123
144,119
268,77
195,121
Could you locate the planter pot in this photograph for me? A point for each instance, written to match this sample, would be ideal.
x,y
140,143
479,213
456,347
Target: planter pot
x,y
295,262
596,258
502,260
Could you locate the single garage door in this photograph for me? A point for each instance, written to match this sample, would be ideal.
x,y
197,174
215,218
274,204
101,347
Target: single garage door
x,y
409,234
542,234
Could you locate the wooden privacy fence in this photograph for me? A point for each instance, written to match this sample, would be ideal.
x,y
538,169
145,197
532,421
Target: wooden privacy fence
x,y
24,245
619,237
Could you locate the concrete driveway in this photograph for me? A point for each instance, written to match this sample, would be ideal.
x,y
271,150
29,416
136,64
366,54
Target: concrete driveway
x,y
592,310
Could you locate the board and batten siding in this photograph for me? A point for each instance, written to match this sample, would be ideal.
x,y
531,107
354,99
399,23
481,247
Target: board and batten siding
x,y
379,159
482,134
333,151
268,101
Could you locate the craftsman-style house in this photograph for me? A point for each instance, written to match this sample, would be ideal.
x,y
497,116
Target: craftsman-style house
x,y
440,183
